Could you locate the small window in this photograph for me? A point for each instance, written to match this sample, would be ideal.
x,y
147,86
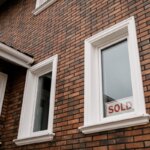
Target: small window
x,y
42,5
36,122
3,81
42,103
114,96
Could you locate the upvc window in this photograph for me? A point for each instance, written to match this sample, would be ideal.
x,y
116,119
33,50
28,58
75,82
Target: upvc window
x,y
113,85
42,5
40,2
3,81
36,122
117,95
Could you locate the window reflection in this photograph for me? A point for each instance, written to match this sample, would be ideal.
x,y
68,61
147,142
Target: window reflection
x,y
116,74
42,103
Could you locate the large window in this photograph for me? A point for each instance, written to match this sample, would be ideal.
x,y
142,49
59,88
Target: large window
x,y
116,78
36,122
3,81
114,95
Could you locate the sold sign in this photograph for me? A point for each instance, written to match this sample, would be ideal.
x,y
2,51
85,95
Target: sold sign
x,y
119,106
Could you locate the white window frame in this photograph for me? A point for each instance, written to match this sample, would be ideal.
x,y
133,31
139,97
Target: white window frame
x,y
3,80
26,134
39,3
93,101
42,5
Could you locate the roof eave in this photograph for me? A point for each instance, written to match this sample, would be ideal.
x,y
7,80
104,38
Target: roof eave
x,y
15,56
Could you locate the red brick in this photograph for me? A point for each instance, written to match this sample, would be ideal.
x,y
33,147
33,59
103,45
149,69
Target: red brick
x,y
117,147
100,148
61,29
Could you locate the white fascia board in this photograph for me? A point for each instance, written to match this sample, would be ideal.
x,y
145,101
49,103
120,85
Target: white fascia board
x,y
15,56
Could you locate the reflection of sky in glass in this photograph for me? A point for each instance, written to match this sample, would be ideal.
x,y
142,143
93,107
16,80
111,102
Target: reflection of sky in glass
x,y
116,71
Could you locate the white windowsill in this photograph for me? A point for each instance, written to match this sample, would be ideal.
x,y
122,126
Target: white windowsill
x,y
43,7
122,123
34,139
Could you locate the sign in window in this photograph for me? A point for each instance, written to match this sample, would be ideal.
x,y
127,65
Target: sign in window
x,y
116,78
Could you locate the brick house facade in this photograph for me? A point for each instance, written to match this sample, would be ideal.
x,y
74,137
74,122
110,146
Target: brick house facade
x,y
61,29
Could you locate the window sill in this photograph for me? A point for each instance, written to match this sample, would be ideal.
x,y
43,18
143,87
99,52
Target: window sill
x,y
132,121
35,139
43,7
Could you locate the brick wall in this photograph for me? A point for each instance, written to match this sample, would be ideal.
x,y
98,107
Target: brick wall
x,y
4,107
12,101
61,29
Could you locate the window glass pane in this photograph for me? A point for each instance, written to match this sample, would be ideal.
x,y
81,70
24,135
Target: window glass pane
x,y
117,89
42,103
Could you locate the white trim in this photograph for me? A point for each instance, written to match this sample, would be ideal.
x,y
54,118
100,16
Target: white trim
x,y
15,56
93,104
33,140
29,99
39,8
3,81
120,123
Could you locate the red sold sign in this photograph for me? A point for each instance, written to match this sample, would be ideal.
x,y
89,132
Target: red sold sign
x,y
119,106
